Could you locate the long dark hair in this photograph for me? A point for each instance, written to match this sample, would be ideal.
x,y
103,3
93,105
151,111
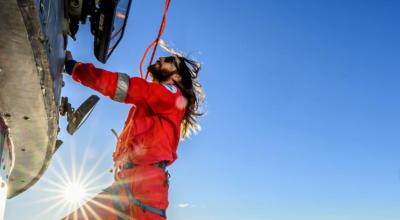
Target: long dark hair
x,y
191,90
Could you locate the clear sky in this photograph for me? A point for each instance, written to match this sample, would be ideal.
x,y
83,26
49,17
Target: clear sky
x,y
302,111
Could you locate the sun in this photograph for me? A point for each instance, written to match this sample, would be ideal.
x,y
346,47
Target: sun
x,y
72,184
75,193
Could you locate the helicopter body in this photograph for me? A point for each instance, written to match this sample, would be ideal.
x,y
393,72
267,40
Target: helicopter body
x,y
32,52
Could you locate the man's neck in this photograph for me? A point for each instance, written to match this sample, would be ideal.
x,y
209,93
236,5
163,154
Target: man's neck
x,y
170,82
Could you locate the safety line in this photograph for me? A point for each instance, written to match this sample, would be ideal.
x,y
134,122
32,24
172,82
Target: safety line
x,y
154,44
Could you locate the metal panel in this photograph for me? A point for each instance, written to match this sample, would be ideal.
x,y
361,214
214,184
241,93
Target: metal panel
x,y
31,59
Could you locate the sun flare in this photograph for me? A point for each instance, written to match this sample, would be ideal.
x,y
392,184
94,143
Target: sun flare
x,y
72,183
75,193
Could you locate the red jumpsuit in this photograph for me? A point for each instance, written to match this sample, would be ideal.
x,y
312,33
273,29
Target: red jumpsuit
x,y
150,135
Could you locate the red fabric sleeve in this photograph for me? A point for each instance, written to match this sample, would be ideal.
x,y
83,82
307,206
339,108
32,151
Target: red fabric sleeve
x,y
106,82
100,80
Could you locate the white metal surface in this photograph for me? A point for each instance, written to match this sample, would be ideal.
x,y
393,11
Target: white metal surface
x,y
6,163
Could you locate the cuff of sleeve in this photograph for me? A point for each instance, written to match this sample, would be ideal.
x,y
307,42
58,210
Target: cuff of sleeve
x,y
69,66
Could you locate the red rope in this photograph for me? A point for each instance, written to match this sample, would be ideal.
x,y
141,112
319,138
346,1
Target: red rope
x,y
154,44
143,57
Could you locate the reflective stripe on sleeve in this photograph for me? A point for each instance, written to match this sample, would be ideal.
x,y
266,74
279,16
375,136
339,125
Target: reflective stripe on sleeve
x,y
122,87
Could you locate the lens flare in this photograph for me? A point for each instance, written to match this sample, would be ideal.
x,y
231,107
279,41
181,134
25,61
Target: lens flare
x,y
75,193
72,182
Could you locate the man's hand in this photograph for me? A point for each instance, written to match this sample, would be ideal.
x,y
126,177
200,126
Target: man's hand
x,y
68,56
69,62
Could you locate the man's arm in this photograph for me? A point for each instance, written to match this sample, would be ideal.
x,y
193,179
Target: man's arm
x,y
118,86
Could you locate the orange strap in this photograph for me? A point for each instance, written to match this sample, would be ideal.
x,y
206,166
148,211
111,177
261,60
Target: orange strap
x,y
154,44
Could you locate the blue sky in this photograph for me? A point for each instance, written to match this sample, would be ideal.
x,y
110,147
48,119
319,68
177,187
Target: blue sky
x,y
302,113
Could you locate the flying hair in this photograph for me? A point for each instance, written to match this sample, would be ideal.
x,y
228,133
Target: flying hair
x,y
190,87
169,49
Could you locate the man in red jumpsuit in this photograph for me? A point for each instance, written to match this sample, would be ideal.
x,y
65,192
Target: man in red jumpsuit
x,y
162,112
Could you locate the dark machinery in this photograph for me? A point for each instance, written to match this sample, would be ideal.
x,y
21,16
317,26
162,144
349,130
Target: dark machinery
x,y
107,22
77,117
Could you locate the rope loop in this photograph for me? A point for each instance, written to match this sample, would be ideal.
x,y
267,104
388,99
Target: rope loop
x,y
154,43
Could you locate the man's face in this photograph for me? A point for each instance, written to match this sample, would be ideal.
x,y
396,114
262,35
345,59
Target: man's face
x,y
163,69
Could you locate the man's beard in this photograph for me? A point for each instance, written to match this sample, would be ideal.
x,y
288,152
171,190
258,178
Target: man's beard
x,y
158,74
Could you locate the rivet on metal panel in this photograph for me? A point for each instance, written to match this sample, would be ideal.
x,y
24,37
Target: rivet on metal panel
x,y
26,118
7,115
23,149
